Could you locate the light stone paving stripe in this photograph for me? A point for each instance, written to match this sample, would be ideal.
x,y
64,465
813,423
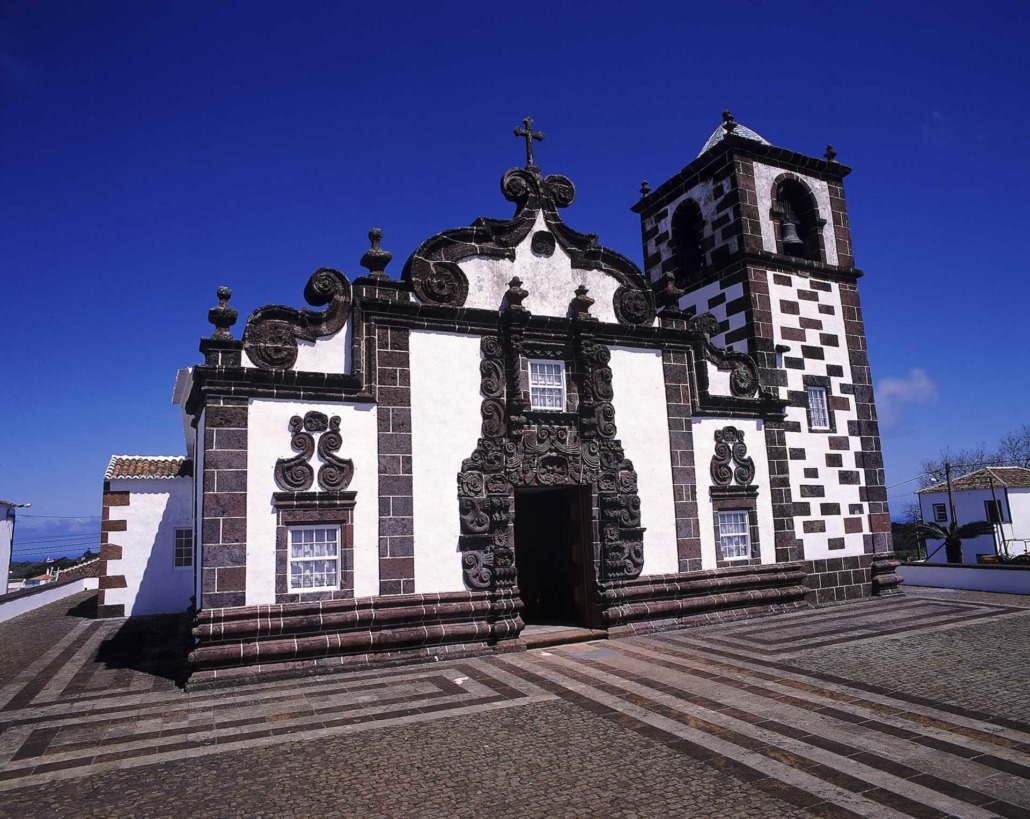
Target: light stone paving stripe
x,y
765,765
967,773
807,682
11,689
869,621
959,730
55,685
276,739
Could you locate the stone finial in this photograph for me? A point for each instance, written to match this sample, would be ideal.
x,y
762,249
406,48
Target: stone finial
x,y
645,188
668,294
515,294
376,259
830,154
582,303
529,134
222,316
728,122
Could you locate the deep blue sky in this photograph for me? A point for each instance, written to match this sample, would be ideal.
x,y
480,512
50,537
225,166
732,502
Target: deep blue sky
x,y
153,151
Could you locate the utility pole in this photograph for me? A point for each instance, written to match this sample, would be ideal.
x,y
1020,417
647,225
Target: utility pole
x,y
951,495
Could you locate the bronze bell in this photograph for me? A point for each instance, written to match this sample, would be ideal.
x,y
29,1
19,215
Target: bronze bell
x,y
791,241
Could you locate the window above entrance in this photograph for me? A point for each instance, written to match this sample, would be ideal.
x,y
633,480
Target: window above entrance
x,y
547,385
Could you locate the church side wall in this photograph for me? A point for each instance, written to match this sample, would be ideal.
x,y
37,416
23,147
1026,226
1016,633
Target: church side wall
x,y
141,576
268,424
445,425
704,430
643,428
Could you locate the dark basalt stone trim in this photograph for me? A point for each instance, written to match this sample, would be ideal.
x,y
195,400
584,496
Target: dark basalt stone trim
x,y
312,501
270,337
740,148
322,632
732,492
660,601
250,382
434,275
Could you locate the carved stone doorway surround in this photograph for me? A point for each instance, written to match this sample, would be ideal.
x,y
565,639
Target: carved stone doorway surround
x,y
522,448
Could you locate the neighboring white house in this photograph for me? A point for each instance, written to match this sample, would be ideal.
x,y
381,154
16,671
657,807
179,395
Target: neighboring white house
x,y
6,540
1000,495
146,554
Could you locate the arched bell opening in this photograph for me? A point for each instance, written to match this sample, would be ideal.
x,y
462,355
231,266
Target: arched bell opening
x,y
687,236
797,223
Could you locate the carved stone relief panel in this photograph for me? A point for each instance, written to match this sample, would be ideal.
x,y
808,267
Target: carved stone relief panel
x,y
296,474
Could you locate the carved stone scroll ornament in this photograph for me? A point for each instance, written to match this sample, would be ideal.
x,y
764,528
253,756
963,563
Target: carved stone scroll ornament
x,y
296,474
335,474
270,337
730,463
742,368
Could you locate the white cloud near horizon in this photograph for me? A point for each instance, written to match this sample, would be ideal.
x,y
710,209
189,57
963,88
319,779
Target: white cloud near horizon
x,y
894,395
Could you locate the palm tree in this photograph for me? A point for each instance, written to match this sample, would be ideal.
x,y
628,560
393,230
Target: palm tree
x,y
952,535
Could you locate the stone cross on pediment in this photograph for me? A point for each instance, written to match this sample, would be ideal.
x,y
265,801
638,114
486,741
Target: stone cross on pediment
x,y
529,134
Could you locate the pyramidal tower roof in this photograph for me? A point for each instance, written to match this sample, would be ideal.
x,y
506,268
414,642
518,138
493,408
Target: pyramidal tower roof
x,y
729,125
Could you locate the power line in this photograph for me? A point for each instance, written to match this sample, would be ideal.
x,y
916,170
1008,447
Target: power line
x,y
63,517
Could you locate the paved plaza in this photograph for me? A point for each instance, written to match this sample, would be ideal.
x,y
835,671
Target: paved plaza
x,y
913,706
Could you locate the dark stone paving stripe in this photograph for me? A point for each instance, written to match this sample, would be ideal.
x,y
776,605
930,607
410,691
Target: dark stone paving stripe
x,y
833,776
801,646
817,629
501,687
449,688
818,616
774,787
28,692
698,653
36,743
131,710
138,753
981,757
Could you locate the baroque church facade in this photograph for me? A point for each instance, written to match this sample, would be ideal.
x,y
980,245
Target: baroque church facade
x,y
526,427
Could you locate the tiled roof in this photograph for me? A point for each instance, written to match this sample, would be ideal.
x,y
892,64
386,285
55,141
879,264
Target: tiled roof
x,y
1011,477
148,466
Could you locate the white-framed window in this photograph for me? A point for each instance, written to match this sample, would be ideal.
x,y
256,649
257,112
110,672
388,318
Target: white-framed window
x,y
734,535
547,385
314,558
818,411
183,547
940,513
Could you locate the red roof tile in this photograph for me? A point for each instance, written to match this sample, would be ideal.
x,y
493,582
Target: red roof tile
x,y
148,466
1012,477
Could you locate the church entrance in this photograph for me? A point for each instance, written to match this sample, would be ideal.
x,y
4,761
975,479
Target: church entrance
x,y
554,555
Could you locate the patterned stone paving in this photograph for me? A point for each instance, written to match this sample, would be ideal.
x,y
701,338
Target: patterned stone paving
x,y
900,707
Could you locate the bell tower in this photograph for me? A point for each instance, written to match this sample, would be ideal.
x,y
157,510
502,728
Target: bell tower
x,y
758,236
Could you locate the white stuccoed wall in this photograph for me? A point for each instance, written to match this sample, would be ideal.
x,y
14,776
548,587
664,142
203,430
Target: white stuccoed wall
x,y
269,440
154,585
330,354
969,507
817,444
445,427
6,536
551,282
643,428
765,176
704,448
